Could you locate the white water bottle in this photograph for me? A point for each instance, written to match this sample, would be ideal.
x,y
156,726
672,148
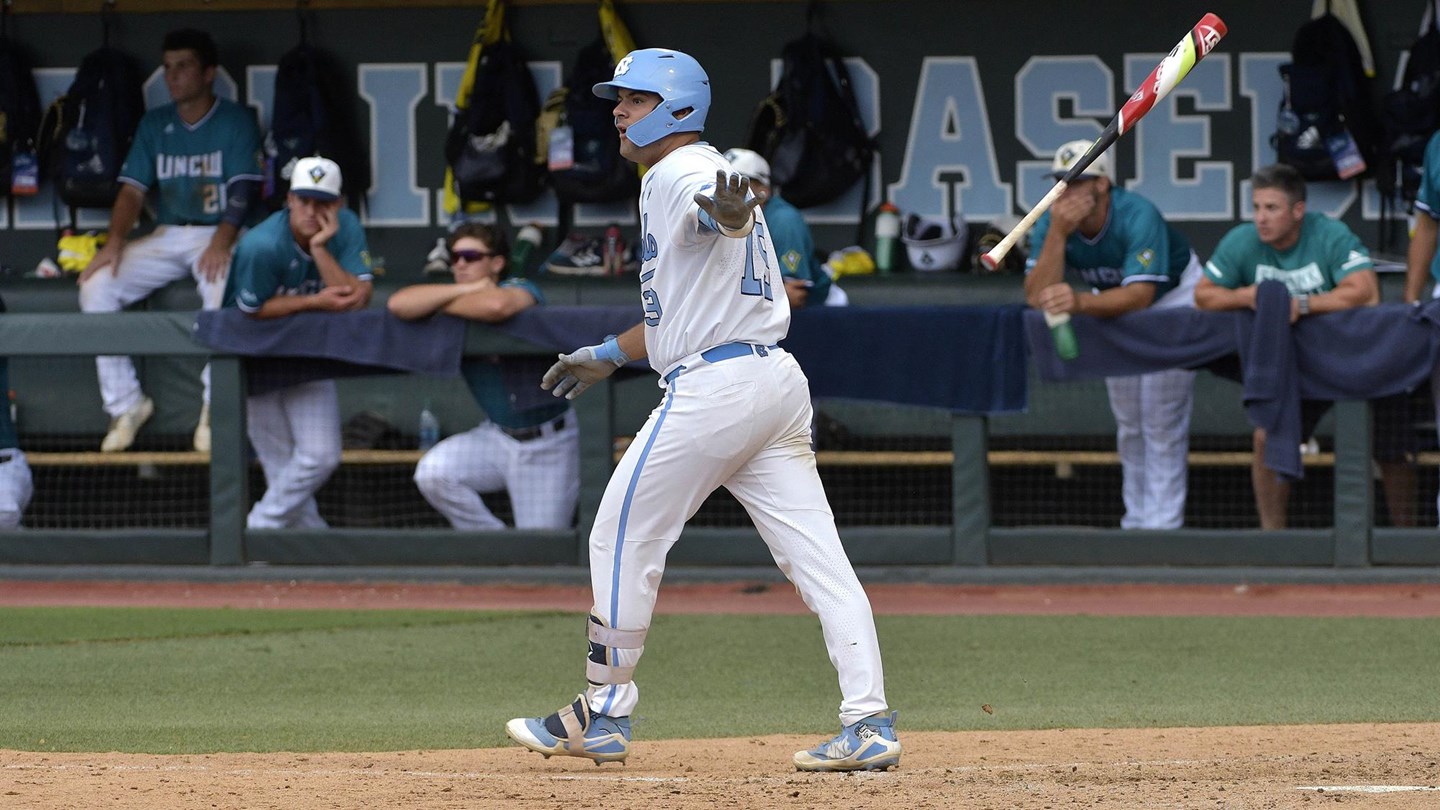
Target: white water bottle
x,y
429,428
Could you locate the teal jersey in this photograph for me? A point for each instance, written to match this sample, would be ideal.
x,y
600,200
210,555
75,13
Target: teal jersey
x,y
1326,252
267,261
1427,199
1135,244
795,247
493,381
191,166
8,439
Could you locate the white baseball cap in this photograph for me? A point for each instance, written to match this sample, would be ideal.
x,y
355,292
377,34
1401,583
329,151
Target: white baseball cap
x,y
749,164
1070,152
317,178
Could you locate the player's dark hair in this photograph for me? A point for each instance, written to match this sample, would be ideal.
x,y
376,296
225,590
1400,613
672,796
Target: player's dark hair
x,y
1281,176
492,235
193,39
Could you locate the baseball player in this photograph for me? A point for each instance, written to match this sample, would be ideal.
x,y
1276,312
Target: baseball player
x,y
15,484
200,156
1326,269
530,444
309,256
1128,258
735,413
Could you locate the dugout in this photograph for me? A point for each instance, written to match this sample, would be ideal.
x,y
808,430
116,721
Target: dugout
x,y
911,486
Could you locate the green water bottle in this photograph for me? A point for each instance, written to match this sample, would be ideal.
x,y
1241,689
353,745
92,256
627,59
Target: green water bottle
x,y
1063,334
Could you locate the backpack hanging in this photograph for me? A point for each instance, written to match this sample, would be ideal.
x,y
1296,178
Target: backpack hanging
x,y
19,116
1411,112
87,132
491,147
313,113
809,128
1325,126
584,147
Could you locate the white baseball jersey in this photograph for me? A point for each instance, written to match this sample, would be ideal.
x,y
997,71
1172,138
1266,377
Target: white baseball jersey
x,y
701,290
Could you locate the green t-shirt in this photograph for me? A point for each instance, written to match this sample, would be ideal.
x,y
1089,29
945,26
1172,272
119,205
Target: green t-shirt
x,y
1326,252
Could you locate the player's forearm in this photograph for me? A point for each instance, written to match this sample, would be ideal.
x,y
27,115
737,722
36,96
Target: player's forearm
x,y
1115,301
1214,297
1355,290
329,267
632,342
283,305
1049,268
422,300
125,213
1420,256
224,236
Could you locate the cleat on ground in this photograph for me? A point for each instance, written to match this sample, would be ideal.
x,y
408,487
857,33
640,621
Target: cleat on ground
x,y
124,427
868,744
574,731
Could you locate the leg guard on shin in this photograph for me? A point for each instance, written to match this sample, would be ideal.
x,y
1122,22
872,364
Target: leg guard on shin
x,y
604,665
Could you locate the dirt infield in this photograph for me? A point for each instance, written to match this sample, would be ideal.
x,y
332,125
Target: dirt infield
x,y
1385,766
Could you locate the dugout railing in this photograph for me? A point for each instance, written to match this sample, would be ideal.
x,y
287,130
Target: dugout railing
x,y
970,539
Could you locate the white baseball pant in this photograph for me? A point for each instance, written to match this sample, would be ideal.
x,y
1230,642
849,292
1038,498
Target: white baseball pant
x,y
147,264
296,435
16,487
1152,431
541,474
744,424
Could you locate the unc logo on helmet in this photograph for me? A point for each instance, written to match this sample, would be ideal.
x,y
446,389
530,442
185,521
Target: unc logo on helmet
x,y
674,76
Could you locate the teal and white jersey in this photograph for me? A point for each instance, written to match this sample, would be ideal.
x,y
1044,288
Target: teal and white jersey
x,y
1427,199
1136,244
268,262
191,166
1326,252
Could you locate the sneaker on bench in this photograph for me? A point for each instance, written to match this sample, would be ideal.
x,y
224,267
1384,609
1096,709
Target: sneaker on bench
x,y
574,731
869,744
124,427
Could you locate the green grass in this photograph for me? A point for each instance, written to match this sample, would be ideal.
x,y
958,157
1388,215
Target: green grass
x,y
155,680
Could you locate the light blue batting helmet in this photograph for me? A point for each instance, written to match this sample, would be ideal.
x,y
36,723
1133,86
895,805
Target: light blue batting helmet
x,y
674,76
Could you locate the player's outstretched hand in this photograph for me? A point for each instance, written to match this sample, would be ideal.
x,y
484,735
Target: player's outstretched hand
x,y
729,206
575,372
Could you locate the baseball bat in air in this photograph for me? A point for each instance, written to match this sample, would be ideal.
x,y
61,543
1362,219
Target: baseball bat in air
x,y
1171,70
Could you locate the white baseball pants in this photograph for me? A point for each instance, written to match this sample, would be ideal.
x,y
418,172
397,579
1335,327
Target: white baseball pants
x,y
1152,430
1152,435
146,265
742,423
16,487
296,435
541,474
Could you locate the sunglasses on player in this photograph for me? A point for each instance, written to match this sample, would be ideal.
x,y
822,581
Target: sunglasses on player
x,y
457,256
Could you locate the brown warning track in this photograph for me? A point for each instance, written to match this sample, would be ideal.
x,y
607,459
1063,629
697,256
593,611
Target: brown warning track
x,y
1385,600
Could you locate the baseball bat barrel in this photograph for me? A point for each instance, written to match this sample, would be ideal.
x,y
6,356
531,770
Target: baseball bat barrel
x,y
1202,39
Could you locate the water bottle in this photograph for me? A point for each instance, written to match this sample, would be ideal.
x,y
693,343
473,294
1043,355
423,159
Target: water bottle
x,y
887,230
429,428
1063,334
525,243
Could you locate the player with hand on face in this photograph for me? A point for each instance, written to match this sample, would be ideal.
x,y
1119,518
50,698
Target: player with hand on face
x,y
735,413
309,256
1121,250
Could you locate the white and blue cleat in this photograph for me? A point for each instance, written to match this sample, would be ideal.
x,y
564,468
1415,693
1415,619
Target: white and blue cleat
x,y
574,731
869,744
